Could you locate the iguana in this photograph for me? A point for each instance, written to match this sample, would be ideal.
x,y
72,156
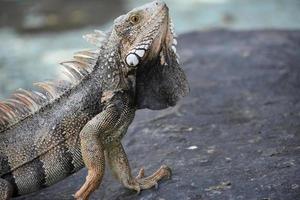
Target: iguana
x,y
50,133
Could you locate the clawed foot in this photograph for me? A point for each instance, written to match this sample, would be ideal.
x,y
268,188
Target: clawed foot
x,y
140,182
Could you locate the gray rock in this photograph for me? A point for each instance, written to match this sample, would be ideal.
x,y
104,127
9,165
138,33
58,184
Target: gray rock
x,y
236,136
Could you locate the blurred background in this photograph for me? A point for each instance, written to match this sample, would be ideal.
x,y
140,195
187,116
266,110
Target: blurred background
x,y
35,35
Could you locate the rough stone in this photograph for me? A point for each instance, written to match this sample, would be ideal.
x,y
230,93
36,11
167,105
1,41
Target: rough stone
x,y
236,136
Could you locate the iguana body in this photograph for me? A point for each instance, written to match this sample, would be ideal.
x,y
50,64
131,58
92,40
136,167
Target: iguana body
x,y
46,136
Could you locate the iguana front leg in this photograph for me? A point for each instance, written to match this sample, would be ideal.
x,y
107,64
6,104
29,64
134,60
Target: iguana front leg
x,y
92,149
5,189
119,165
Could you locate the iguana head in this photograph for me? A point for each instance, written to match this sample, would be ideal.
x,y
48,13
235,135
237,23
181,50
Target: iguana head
x,y
142,32
147,44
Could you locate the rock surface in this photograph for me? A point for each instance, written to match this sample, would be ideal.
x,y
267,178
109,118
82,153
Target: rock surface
x,y
236,136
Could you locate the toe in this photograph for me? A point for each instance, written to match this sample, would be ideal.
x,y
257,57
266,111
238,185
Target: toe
x,y
167,170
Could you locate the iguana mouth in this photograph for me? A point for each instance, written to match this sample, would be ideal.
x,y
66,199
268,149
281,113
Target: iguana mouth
x,y
167,43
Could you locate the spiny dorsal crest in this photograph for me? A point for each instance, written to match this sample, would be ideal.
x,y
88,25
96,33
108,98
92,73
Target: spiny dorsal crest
x,y
95,38
24,103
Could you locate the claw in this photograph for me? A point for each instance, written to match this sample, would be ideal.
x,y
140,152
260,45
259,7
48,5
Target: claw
x,y
138,191
76,197
141,173
156,185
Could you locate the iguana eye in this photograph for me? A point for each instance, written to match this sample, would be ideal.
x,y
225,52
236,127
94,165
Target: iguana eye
x,y
135,19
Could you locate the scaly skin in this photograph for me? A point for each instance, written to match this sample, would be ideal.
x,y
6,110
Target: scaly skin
x,y
136,67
